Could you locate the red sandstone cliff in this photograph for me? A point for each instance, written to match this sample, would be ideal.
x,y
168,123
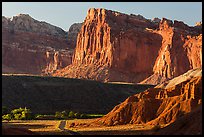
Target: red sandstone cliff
x,y
113,46
159,106
33,47
189,124
181,50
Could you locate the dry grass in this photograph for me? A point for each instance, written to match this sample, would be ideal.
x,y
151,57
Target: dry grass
x,y
35,125
50,127
102,128
128,129
19,74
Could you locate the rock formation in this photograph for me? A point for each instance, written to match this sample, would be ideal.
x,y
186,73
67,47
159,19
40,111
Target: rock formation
x,y
189,124
186,76
33,47
24,22
113,46
73,33
158,106
181,51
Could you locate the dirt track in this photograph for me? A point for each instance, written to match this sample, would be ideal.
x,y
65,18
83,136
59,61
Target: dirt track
x,y
62,125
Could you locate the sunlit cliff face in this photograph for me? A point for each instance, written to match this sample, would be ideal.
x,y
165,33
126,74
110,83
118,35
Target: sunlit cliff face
x,y
131,48
33,47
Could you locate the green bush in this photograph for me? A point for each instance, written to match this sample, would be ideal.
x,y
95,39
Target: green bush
x,y
17,111
64,114
77,115
61,115
17,117
7,117
58,114
71,114
19,114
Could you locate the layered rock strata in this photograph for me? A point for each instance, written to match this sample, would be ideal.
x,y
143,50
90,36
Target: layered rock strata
x,y
118,47
158,106
33,47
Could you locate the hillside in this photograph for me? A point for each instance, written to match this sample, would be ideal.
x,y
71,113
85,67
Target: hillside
x,y
158,106
50,94
189,124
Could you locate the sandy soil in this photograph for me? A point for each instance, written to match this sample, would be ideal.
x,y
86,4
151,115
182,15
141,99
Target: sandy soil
x,y
62,127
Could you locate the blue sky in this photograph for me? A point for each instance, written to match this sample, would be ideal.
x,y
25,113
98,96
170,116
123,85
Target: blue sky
x,y
63,14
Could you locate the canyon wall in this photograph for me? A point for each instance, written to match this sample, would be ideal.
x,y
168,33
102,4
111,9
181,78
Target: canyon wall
x,y
181,50
33,47
113,46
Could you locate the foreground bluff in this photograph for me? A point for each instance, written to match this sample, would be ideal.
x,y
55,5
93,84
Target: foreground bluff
x,y
161,105
33,47
113,46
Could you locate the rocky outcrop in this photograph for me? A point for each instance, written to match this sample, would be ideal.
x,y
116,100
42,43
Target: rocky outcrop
x,y
101,41
33,47
189,124
157,106
181,51
24,22
72,34
113,41
181,78
131,48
